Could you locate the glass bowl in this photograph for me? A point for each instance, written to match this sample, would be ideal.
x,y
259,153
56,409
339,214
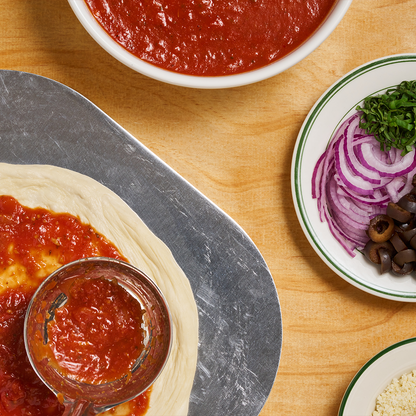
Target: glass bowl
x,y
81,397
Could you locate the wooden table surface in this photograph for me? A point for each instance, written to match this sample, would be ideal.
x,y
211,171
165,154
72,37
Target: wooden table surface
x,y
235,146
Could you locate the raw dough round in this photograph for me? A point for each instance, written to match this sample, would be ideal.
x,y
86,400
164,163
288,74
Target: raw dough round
x,y
61,190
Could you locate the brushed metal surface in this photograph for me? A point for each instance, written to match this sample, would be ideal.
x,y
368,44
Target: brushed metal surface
x,y
240,334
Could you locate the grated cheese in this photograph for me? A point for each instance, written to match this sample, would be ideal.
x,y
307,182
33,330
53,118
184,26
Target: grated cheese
x,y
399,397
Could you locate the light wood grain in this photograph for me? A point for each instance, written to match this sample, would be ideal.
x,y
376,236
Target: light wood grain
x,y
236,146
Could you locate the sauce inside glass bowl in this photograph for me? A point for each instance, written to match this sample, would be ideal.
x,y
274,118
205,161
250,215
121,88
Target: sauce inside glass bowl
x,y
96,337
210,37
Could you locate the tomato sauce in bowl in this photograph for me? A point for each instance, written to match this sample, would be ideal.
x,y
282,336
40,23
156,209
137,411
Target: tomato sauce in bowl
x,y
209,37
96,337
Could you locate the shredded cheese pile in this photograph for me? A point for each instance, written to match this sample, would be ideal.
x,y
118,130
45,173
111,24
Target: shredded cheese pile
x,y
399,397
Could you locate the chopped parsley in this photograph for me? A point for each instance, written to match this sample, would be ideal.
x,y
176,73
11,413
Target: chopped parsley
x,y
390,117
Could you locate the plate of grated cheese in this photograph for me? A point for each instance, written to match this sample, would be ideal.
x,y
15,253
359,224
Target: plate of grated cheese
x,y
385,385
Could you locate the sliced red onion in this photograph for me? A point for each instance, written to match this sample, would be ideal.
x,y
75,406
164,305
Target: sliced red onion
x,y
348,245
408,186
359,219
367,154
350,180
394,187
356,167
379,198
353,181
317,173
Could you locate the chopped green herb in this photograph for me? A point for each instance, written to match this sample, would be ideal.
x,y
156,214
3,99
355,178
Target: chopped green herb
x,y
390,117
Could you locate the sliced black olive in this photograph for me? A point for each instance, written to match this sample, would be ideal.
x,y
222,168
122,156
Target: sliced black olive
x,y
381,228
405,256
371,250
414,180
412,242
406,226
408,202
385,260
401,271
413,191
408,235
398,213
398,243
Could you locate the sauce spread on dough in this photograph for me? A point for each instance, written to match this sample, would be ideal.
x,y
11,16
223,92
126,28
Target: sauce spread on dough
x,y
210,37
96,335
33,243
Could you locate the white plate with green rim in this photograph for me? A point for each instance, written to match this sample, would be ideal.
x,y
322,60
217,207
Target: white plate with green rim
x,y
334,106
373,378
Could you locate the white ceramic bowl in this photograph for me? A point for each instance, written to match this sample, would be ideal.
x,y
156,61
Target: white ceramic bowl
x,y
113,48
336,105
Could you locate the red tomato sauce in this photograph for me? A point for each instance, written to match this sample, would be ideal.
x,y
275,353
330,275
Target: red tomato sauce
x,y
210,37
96,336
32,233
21,391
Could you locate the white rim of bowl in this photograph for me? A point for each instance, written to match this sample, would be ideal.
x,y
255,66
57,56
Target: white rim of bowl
x,y
95,30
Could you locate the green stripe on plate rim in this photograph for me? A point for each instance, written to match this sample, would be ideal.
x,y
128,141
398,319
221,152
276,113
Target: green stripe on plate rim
x,y
393,60
365,367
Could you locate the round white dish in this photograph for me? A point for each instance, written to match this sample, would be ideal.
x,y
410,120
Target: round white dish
x,y
334,106
394,361
113,48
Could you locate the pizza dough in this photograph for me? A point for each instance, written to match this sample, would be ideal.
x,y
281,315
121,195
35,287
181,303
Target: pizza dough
x,y
61,190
